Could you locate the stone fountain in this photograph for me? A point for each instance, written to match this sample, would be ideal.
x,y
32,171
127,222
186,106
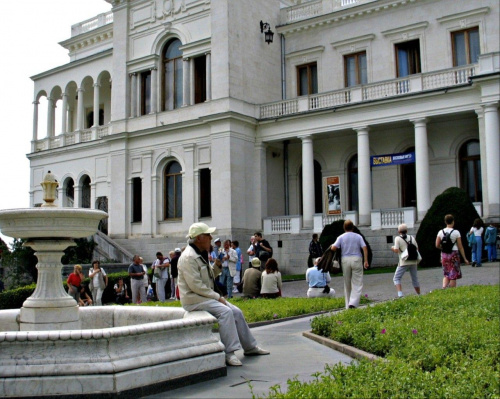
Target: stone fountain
x,y
52,347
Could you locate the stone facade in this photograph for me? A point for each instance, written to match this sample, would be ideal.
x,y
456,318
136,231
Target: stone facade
x,y
256,128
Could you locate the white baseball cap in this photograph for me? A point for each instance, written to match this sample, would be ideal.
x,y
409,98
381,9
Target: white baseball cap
x,y
199,228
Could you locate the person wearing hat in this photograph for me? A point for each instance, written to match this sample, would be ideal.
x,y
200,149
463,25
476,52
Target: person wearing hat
x,y
251,279
196,288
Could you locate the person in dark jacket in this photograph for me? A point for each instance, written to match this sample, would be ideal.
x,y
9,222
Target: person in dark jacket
x,y
173,271
315,250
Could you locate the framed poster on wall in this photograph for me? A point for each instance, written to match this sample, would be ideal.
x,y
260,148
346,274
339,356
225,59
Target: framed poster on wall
x,y
332,200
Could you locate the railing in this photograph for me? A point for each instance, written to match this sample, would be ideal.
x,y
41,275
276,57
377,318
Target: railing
x,y
392,88
92,23
451,77
70,138
86,135
282,224
102,132
303,11
390,218
386,89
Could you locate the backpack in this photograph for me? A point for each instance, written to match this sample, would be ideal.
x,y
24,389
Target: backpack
x,y
412,250
447,243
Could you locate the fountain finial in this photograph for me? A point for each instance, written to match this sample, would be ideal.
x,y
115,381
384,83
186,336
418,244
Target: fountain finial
x,y
49,186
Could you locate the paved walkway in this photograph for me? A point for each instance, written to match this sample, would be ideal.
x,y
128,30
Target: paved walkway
x,y
293,355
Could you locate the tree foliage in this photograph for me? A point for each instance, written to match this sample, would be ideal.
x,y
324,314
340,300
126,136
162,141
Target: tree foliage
x,y
453,201
331,232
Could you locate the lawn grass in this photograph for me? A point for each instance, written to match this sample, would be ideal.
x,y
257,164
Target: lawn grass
x,y
442,345
258,310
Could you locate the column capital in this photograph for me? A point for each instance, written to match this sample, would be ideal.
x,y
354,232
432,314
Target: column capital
x,y
153,68
208,53
305,137
80,89
132,74
491,106
186,59
362,128
97,85
419,121
36,102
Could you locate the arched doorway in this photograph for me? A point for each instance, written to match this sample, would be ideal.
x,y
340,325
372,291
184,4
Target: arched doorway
x,y
85,203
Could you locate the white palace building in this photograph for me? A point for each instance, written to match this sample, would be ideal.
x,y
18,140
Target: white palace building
x,y
273,116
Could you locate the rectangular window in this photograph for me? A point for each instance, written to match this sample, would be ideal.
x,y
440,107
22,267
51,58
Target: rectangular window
x,y
200,79
355,69
465,45
136,199
408,58
205,193
307,78
145,93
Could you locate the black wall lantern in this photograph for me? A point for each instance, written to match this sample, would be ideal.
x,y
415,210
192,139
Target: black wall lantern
x,y
268,34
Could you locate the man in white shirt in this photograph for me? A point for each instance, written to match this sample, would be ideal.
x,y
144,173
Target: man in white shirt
x,y
160,269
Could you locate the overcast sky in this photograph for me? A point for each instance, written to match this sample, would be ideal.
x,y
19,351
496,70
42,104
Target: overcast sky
x,y
30,32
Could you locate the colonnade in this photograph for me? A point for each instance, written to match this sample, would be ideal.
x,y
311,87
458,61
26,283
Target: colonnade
x,y
188,84
491,158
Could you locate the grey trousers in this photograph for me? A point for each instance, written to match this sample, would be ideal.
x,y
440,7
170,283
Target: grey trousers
x,y
233,328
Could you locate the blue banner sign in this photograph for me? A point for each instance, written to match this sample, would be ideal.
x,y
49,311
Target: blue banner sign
x,y
392,159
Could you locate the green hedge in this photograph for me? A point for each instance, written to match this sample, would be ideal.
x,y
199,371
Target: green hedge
x,y
14,299
441,345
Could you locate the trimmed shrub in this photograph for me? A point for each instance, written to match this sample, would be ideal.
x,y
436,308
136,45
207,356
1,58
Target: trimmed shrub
x,y
455,201
331,232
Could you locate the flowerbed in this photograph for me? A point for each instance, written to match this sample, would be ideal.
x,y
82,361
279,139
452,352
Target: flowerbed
x,y
444,344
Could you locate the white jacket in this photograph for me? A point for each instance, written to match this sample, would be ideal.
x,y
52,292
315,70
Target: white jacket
x,y
196,278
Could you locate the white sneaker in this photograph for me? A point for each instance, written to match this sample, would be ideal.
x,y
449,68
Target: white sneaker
x,y
232,360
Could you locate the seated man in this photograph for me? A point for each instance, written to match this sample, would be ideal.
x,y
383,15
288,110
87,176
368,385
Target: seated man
x,y
318,281
251,279
196,287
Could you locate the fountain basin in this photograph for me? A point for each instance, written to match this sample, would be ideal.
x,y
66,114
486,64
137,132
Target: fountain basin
x,y
120,349
43,223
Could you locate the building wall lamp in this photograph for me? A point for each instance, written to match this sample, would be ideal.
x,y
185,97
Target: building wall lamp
x,y
268,34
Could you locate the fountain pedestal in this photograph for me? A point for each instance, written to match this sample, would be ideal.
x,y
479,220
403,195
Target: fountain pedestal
x,y
49,307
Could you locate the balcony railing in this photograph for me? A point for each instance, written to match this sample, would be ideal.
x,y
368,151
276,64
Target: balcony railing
x,y
92,23
373,91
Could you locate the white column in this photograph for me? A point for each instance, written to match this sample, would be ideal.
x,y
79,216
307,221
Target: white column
x,y
154,90
307,181
64,113
133,95
422,167
188,187
35,120
92,195
80,117
156,202
50,117
185,82
209,75
492,139
96,104
77,200
259,185
364,177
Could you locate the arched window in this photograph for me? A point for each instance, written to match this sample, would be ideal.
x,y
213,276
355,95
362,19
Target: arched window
x,y
353,183
173,191
69,193
172,76
470,170
85,192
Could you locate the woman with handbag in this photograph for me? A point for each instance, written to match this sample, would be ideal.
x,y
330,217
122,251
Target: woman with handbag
x,y
318,280
400,247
